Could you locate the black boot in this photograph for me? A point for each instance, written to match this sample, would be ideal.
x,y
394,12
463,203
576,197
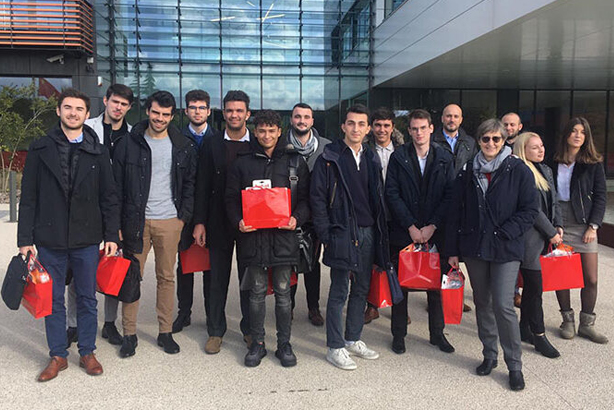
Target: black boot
x,y
129,344
109,331
486,367
543,345
181,322
516,380
166,341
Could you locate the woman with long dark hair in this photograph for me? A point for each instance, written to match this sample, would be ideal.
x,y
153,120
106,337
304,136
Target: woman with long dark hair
x,y
495,203
546,230
581,187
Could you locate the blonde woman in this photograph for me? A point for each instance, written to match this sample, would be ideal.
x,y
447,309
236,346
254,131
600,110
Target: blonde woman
x,y
546,230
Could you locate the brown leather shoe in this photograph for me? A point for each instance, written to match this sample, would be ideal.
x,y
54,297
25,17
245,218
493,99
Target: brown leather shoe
x,y
56,365
213,345
466,308
315,317
370,314
90,364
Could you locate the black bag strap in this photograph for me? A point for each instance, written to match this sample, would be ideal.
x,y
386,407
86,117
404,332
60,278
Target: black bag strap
x,y
293,171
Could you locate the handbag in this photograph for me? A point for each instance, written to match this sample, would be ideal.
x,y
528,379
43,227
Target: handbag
x,y
15,281
419,267
131,287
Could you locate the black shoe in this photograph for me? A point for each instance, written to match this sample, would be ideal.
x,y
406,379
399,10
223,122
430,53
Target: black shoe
x,y
256,352
285,355
486,367
442,343
181,322
398,344
109,331
526,335
516,380
166,341
129,344
543,345
71,336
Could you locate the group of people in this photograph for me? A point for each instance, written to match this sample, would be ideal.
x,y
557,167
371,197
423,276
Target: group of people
x,y
489,201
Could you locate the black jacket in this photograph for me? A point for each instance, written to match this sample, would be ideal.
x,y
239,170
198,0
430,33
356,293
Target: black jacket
x,y
464,150
210,205
268,247
588,193
415,199
52,216
491,227
186,234
132,170
333,213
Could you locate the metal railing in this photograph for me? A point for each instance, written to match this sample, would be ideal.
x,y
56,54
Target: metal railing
x,y
59,24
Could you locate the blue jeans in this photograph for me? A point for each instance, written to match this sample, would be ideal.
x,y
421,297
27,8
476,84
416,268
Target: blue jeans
x,y
338,293
84,262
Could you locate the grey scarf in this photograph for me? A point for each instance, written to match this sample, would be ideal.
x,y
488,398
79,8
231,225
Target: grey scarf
x,y
309,148
481,166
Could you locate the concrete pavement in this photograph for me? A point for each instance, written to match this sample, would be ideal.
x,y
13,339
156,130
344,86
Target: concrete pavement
x,y
424,377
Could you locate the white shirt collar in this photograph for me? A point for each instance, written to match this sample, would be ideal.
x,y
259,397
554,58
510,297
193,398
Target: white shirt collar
x,y
244,138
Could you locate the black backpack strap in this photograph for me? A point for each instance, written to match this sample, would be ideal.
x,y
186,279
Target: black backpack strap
x,y
293,171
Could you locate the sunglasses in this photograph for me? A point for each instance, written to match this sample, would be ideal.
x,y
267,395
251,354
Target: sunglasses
x,y
486,139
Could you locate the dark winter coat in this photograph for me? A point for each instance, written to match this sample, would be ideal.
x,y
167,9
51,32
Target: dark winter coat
x,y
588,194
491,227
132,169
415,199
60,214
268,247
210,205
333,212
464,150
186,234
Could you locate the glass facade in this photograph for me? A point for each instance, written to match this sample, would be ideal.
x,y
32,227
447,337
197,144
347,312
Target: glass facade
x,y
279,51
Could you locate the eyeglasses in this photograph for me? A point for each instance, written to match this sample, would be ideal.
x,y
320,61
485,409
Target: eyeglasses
x,y
496,139
200,107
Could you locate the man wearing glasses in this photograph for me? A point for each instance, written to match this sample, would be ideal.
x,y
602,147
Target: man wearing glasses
x,y
198,109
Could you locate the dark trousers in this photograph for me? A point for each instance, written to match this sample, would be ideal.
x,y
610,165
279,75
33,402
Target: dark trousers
x,y
398,324
185,290
531,312
84,262
338,294
312,288
216,291
281,287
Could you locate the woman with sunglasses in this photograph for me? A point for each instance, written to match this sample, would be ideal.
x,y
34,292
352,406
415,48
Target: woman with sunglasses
x,y
547,230
580,179
495,203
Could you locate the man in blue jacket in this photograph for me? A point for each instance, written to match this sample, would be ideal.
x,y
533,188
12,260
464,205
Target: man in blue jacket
x,y
418,194
347,204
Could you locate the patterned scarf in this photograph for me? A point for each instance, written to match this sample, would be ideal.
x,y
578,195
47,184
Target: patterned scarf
x,y
308,149
481,166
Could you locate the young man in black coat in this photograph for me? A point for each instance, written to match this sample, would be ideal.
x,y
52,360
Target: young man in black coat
x,y
198,109
154,169
68,206
275,248
347,202
211,225
418,194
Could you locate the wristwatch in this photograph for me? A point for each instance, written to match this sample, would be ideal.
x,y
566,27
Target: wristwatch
x,y
594,226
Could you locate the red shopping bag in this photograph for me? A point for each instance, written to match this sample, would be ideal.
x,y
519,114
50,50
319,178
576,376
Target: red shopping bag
x,y
266,207
111,273
195,259
379,291
561,269
269,288
38,293
452,293
419,268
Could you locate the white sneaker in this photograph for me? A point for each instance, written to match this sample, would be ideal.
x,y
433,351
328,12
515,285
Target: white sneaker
x,y
361,350
340,358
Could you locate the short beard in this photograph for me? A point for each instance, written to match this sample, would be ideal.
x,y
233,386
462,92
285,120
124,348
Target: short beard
x,y
231,128
448,131
197,124
68,127
300,133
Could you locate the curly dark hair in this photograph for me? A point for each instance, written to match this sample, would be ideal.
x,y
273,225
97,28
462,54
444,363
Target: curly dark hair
x,y
267,117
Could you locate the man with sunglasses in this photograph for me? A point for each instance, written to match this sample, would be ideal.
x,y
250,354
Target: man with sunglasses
x,y
198,109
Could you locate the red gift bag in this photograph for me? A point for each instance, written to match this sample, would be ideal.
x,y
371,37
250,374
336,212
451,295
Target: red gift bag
x,y
379,290
419,269
269,289
266,207
111,273
452,293
561,269
195,259
38,293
